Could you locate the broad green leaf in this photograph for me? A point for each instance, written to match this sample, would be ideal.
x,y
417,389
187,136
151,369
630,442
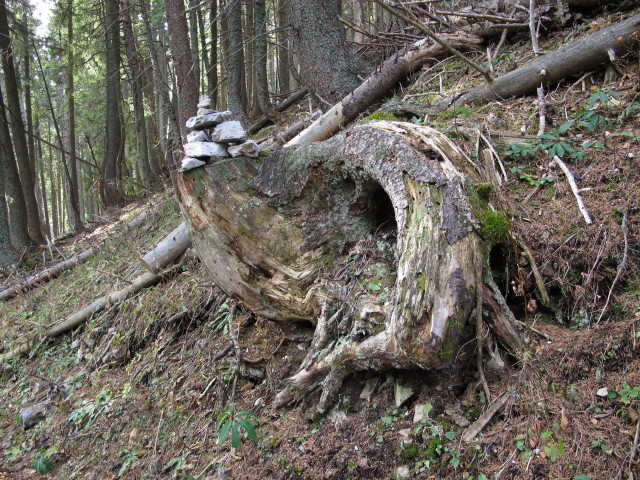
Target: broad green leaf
x,y
374,286
224,431
248,427
236,441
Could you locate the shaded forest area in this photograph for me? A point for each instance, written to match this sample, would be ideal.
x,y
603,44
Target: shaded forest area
x,y
446,287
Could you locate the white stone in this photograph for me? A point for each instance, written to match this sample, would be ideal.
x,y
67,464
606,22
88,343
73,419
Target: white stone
x,y
403,472
421,412
205,102
369,387
198,136
248,149
229,132
205,111
190,163
402,394
602,392
205,150
207,121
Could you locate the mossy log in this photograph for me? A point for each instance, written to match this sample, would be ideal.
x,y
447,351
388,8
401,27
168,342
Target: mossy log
x,y
369,235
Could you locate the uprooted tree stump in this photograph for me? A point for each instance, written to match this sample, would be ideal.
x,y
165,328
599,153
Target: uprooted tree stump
x,y
370,236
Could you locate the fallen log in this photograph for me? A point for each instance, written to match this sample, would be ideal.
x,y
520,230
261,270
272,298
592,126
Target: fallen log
x,y
378,84
55,270
168,250
179,244
582,55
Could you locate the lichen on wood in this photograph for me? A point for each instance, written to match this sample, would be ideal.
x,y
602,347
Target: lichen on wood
x,y
387,202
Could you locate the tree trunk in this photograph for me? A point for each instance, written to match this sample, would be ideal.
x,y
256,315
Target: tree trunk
x,y
212,73
8,253
236,87
282,40
329,68
77,223
18,131
12,186
260,64
194,8
144,164
111,189
183,63
386,200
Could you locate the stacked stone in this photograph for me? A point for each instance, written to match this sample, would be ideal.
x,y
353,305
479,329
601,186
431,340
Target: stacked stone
x,y
214,135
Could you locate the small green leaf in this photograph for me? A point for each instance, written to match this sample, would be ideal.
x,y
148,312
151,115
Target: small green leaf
x,y
582,476
450,435
565,126
373,286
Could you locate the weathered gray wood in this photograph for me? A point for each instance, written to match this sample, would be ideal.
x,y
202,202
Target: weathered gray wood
x,y
266,230
168,250
573,59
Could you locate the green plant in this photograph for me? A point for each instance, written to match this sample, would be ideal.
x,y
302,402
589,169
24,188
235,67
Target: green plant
x,y
599,445
221,322
90,411
41,464
231,421
495,226
553,445
382,116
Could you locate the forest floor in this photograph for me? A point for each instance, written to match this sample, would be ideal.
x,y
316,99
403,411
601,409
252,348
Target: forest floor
x,y
139,391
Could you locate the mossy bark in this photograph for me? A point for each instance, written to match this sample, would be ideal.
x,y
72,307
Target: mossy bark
x,y
386,201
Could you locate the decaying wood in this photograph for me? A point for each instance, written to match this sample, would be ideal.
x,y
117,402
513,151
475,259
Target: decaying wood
x,y
269,231
574,188
378,84
143,281
476,427
168,250
584,54
55,270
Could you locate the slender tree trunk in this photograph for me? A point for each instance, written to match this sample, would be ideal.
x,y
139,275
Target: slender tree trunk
x,y
282,39
212,72
18,131
75,214
224,39
236,88
260,64
8,253
43,187
144,167
203,53
183,62
194,8
12,186
54,191
111,190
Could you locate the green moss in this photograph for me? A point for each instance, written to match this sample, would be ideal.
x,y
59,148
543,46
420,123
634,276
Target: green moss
x,y
434,448
484,191
461,111
409,452
495,226
382,116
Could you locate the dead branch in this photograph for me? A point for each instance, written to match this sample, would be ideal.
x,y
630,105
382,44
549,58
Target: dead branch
x,y
574,188
621,267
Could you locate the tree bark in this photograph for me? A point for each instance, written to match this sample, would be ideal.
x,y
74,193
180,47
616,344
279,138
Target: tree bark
x,y
18,131
282,51
17,208
389,193
328,66
183,62
212,73
262,84
112,194
236,86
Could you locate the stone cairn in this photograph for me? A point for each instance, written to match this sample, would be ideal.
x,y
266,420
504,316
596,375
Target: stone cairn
x,y
214,135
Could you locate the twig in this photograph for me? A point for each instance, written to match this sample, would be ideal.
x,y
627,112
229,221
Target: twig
x,y
479,292
635,442
536,273
532,27
477,15
495,155
114,276
476,427
155,443
542,104
621,267
431,34
574,188
223,353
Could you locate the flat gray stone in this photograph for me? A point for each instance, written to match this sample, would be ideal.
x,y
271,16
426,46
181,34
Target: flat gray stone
x,y
229,132
401,394
201,122
204,102
247,149
33,415
205,111
190,163
205,150
198,136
